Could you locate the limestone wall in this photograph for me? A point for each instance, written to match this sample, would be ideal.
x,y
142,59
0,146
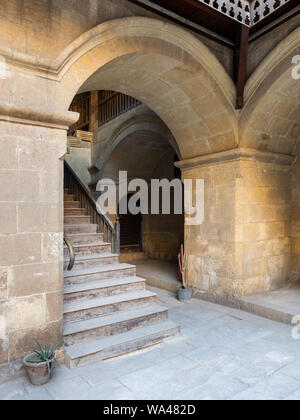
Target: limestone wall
x,y
262,46
31,232
210,247
243,245
45,28
262,227
295,223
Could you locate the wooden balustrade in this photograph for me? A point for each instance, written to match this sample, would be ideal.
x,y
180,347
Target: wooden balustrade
x,y
110,106
113,104
110,232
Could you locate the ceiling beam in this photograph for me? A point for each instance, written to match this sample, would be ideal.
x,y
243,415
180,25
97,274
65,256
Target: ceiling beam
x,y
240,61
183,21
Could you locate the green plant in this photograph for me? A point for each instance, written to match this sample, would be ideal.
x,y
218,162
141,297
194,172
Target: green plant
x,y
45,354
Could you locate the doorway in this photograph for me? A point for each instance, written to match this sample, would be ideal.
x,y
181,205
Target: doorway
x,y
130,229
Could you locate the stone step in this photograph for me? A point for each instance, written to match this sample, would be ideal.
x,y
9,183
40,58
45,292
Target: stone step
x,y
76,220
74,211
83,262
89,249
115,323
104,348
103,288
72,204
83,238
102,272
83,228
82,310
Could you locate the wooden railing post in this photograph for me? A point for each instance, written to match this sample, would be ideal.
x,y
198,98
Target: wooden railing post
x,y
117,241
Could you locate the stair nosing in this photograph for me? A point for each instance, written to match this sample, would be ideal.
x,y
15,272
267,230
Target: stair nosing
x,y
83,234
80,224
93,257
89,244
79,215
102,284
83,305
78,350
93,269
120,316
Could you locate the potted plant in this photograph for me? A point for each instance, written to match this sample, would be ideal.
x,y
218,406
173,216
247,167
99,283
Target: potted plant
x,y
39,365
184,292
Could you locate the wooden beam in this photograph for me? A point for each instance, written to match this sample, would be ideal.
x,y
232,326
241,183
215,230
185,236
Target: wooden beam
x,y
241,55
94,105
192,23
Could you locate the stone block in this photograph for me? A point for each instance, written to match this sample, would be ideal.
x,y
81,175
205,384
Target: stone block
x,y
255,268
20,249
218,124
43,217
32,151
194,88
21,342
52,247
24,312
3,285
31,279
177,75
8,218
54,306
51,187
8,152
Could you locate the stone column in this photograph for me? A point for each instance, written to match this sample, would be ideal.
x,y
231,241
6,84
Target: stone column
x,y
31,230
242,247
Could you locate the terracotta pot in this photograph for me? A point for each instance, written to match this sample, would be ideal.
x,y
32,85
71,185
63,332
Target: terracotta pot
x,y
37,373
185,293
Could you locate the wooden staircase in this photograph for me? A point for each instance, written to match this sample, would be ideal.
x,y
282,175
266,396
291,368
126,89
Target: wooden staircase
x,y
107,309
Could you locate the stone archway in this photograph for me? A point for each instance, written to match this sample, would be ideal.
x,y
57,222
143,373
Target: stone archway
x,y
176,76
141,122
163,66
270,119
182,81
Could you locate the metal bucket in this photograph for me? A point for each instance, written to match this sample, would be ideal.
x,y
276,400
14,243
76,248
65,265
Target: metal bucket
x,y
184,293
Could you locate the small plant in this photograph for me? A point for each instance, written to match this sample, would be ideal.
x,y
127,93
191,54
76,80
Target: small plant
x,y
45,354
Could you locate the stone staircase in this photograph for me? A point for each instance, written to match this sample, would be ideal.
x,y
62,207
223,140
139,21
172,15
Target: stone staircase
x,y
107,309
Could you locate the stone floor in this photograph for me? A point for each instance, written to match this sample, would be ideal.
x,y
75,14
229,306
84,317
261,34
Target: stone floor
x,y
222,353
280,305
158,273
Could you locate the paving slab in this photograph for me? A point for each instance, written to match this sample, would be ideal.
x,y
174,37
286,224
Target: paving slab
x,y
160,274
280,305
222,353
